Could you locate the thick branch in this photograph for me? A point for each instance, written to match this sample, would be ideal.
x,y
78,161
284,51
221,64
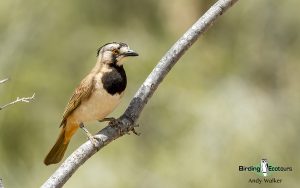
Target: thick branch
x,y
23,99
129,118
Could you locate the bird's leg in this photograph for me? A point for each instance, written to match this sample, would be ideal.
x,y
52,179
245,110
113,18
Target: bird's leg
x,y
107,119
90,136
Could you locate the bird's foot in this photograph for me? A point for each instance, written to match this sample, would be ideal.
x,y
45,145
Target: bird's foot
x,y
134,131
116,123
94,141
113,122
89,135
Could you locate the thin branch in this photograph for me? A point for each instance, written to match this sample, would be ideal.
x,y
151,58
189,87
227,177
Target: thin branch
x,y
1,183
127,121
4,80
23,99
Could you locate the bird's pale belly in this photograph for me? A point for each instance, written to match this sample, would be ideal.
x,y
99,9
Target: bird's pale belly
x,y
97,107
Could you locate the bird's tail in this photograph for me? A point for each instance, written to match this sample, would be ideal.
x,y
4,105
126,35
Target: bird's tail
x,y
58,150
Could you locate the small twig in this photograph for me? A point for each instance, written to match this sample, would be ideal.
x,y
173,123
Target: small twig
x,y
1,183
4,80
23,99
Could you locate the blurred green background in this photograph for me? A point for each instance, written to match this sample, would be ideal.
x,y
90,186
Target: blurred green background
x,y
231,100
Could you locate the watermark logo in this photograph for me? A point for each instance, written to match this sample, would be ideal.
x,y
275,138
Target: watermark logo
x,y
264,166
265,169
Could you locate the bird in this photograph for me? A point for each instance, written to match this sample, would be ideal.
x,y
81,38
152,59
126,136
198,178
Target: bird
x,y
97,95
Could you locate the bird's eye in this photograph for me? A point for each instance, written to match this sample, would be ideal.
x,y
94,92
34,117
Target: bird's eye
x,y
115,51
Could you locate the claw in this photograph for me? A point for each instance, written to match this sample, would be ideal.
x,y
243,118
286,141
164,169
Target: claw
x,y
94,141
136,133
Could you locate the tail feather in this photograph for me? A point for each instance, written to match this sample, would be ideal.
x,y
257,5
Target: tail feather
x,y
58,150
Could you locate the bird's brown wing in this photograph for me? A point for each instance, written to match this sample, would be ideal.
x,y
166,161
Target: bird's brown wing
x,y
82,92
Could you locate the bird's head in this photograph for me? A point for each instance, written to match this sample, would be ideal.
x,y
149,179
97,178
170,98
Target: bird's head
x,y
114,53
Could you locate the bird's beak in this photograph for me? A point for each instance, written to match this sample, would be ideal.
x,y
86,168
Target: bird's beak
x,y
130,53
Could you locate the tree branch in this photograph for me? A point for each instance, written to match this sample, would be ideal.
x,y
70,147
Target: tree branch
x,y
23,99
1,183
4,80
127,121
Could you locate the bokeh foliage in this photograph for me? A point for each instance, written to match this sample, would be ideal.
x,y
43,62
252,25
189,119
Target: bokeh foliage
x,y
232,99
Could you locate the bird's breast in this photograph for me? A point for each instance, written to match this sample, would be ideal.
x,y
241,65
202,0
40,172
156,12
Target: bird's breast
x,y
110,84
97,106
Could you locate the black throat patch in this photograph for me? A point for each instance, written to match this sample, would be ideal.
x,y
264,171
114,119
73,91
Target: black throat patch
x,y
115,81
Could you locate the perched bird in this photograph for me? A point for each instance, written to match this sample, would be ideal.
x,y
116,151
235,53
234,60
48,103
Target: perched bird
x,y
97,95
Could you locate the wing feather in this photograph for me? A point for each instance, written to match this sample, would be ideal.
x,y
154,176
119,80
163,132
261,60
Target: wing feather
x,y
82,92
